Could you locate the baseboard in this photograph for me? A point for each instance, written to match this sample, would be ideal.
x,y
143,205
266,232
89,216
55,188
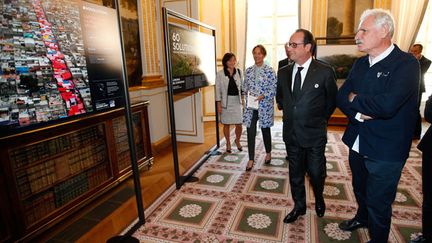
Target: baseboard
x,y
161,144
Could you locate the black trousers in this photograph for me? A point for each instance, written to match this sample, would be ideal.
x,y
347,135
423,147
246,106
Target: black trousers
x,y
301,160
418,128
375,185
251,134
427,194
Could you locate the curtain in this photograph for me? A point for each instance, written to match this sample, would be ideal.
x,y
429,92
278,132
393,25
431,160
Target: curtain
x,y
305,14
241,31
408,16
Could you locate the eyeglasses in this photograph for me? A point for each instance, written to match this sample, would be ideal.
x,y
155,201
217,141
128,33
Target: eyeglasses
x,y
293,44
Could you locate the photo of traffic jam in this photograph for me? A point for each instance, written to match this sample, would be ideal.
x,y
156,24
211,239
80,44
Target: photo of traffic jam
x,y
43,74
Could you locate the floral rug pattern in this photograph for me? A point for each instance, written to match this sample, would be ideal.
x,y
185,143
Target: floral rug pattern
x,y
228,204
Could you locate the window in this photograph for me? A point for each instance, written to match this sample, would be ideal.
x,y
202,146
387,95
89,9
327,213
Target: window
x,y
270,23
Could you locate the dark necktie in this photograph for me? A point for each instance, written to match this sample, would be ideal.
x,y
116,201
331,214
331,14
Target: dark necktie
x,y
297,83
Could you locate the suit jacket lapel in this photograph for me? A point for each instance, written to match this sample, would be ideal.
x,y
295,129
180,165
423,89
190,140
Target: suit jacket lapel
x,y
290,77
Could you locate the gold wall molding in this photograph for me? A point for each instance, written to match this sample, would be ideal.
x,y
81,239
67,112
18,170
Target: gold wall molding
x,y
150,40
232,26
150,82
385,4
319,21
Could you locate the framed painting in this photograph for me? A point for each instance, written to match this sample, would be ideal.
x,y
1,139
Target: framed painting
x,y
131,38
341,58
341,19
131,41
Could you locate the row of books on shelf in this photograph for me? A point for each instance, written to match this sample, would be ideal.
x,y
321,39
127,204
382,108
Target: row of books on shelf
x,y
47,173
123,160
122,144
119,125
70,189
40,206
23,156
35,178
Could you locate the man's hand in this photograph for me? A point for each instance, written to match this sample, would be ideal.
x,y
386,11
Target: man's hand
x,y
365,117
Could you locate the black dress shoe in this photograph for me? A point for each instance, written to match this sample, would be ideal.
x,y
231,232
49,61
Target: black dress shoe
x,y
320,208
293,215
419,239
351,224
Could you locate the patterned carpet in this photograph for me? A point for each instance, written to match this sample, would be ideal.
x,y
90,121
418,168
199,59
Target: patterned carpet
x,y
228,204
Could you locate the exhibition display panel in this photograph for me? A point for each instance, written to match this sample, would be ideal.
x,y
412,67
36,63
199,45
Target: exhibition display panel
x,y
56,62
67,128
48,179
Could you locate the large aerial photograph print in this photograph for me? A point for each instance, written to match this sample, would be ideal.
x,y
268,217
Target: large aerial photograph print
x,y
52,63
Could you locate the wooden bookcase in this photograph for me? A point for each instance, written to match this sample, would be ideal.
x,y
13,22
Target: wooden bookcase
x,y
50,173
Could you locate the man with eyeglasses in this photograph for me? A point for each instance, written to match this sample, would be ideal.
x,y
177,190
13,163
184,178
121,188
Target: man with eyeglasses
x,y
306,91
379,97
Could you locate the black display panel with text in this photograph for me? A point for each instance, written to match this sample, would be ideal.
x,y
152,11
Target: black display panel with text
x,y
60,59
192,56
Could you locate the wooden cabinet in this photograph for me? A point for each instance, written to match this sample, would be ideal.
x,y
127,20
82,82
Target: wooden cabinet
x,y
50,173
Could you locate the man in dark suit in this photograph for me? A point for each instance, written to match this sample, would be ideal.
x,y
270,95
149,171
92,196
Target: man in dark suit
x,y
425,146
306,91
379,97
425,63
284,62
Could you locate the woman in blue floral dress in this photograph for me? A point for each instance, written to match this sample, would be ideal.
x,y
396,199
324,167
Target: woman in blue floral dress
x,y
260,88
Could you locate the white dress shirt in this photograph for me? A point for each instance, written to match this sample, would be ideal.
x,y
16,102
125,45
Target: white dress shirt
x,y
303,72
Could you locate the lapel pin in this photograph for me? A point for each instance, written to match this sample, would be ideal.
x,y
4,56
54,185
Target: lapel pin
x,y
316,86
379,74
